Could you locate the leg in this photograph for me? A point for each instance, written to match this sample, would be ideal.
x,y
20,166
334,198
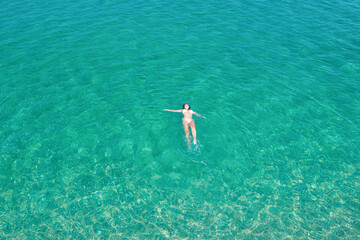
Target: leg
x,y
186,129
193,130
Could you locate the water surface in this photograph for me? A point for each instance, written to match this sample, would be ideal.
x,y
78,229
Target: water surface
x,y
87,152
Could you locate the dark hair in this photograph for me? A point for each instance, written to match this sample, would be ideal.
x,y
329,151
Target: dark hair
x,y
186,104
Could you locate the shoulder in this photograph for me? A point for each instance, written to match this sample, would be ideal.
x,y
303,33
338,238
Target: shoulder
x,y
191,111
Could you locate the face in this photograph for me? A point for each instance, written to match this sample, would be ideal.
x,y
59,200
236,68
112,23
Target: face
x,y
186,106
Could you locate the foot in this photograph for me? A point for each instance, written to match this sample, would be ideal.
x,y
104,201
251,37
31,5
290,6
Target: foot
x,y
195,141
188,142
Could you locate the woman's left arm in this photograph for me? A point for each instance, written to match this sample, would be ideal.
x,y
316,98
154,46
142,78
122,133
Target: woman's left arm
x,y
198,114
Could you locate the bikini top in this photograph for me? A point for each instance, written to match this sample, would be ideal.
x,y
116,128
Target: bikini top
x,y
184,110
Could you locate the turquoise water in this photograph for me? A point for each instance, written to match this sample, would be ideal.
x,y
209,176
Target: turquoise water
x,y
87,152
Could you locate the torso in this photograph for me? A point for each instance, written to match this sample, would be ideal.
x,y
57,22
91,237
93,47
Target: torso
x,y
187,113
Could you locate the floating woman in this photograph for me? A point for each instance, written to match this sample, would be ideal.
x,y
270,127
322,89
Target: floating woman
x,y
188,121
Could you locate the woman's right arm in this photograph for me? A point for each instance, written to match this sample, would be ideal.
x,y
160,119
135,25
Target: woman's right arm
x,y
173,110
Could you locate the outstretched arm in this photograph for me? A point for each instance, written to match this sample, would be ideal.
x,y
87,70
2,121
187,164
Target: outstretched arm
x,y
198,114
173,110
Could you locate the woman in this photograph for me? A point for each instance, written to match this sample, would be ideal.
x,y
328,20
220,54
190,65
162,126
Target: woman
x,y
188,121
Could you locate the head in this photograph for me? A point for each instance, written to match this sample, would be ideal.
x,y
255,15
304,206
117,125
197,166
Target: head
x,y
186,106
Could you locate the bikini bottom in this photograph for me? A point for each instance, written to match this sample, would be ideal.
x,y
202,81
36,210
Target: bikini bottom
x,y
188,120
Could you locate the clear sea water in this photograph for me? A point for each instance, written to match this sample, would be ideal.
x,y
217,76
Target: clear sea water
x,y
86,151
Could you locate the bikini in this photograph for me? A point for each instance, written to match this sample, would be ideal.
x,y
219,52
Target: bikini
x,y
188,120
